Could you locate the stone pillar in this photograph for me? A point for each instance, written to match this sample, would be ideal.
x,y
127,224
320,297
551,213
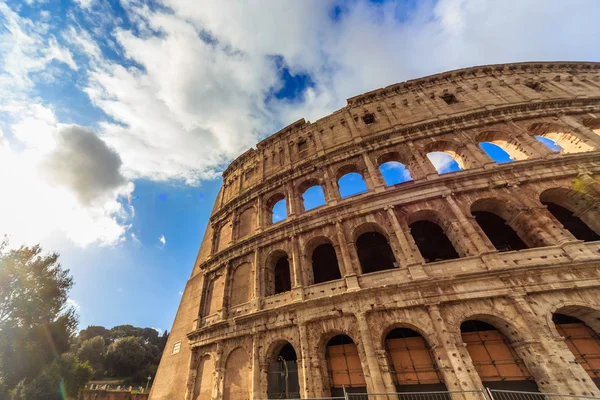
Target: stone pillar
x,y
460,374
374,173
479,155
304,374
411,257
297,279
421,166
585,181
332,193
531,145
219,373
474,239
258,290
256,370
192,375
367,341
293,207
582,131
348,271
260,212
226,290
547,358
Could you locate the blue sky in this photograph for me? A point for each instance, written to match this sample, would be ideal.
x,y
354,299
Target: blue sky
x,y
117,117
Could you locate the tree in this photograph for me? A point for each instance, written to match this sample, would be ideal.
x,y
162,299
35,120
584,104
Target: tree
x,y
93,351
63,377
93,331
33,288
36,325
125,356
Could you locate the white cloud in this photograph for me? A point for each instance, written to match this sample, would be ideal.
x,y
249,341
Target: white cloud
x,y
441,161
135,239
72,303
162,241
160,331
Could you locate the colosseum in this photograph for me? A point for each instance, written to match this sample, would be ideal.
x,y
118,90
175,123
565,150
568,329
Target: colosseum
x,y
487,276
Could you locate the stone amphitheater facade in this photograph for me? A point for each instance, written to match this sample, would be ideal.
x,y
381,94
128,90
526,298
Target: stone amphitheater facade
x,y
352,318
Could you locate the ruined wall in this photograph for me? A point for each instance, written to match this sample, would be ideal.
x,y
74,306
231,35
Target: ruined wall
x,y
516,291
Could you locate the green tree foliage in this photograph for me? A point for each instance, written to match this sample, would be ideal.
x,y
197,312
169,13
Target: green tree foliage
x,y
33,288
59,379
36,326
94,351
125,356
93,331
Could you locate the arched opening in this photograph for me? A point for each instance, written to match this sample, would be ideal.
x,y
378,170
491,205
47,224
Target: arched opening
x,y
276,208
213,296
394,172
246,222
496,362
561,135
351,184
572,223
549,143
583,342
325,264
502,236
344,367
283,282
444,162
282,380
495,152
241,285
432,242
500,146
238,376
313,197
413,366
374,252
203,386
593,124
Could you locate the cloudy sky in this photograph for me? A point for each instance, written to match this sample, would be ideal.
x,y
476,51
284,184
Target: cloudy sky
x,y
117,116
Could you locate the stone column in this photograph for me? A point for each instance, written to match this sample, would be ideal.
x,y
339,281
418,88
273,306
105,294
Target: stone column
x,y
374,173
531,145
424,167
547,358
256,370
304,375
367,341
293,207
457,375
297,279
258,290
584,133
191,381
332,193
473,236
479,155
226,291
412,256
259,214
585,181
348,271
219,373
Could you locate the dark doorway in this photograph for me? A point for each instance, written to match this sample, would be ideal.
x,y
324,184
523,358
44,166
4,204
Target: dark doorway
x,y
572,223
413,366
283,282
496,362
344,367
325,264
502,236
432,242
374,252
282,381
583,342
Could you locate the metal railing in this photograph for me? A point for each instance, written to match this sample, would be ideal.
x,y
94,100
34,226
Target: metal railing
x,y
497,394
482,394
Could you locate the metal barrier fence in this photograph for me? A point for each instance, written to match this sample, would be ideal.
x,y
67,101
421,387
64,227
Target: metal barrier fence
x,y
487,394
441,395
497,394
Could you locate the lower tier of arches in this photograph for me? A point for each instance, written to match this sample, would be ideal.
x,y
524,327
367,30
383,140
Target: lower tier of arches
x,y
547,342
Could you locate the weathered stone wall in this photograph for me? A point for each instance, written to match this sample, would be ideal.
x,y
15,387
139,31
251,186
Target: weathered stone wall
x,y
516,291
109,395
